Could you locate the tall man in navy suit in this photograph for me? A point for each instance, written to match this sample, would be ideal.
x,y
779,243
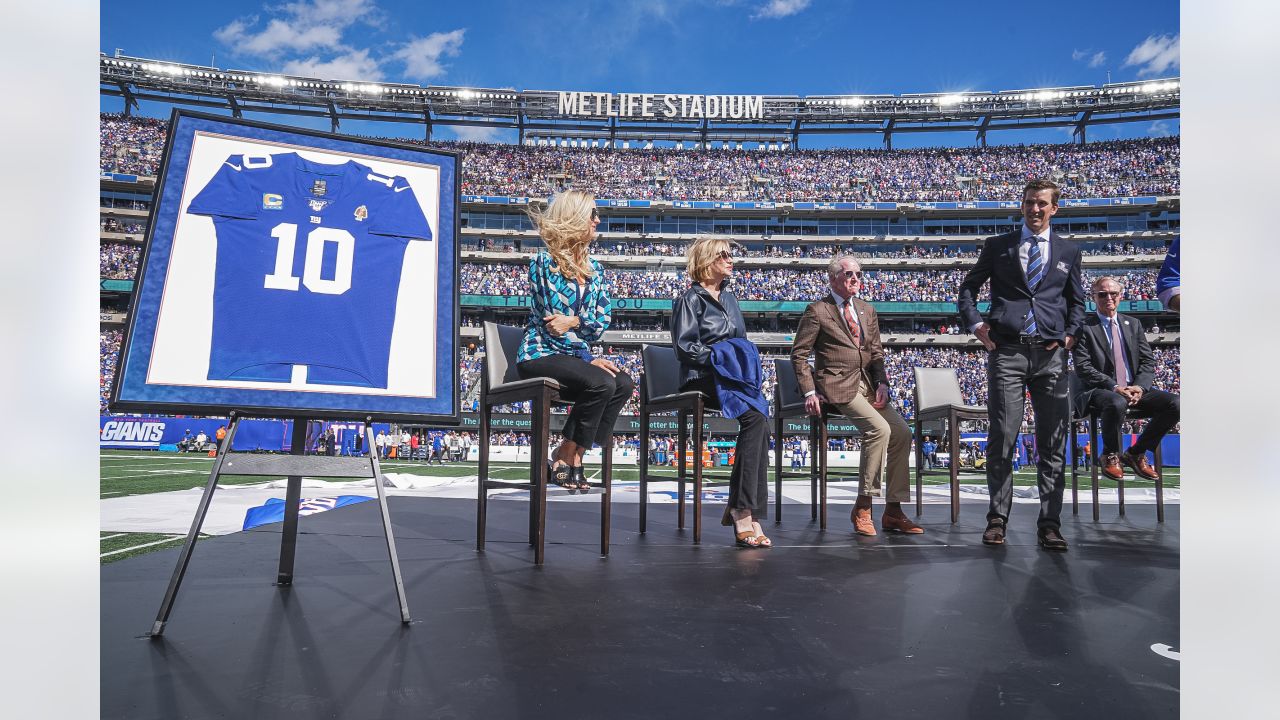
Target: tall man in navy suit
x,y
1037,308
1116,369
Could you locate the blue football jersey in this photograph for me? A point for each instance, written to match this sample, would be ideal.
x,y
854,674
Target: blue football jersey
x,y
308,267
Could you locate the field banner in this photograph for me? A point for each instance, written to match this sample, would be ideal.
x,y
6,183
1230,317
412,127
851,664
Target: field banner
x,y
273,510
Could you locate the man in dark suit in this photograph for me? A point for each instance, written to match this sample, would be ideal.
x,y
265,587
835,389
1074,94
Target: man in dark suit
x,y
843,334
1113,389
1037,308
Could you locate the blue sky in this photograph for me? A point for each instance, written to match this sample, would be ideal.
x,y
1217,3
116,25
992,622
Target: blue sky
x,y
800,47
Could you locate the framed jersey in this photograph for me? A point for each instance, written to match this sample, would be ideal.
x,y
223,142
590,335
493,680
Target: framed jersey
x,y
294,273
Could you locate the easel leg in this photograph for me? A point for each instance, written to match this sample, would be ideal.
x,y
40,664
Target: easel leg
x,y
184,557
386,527
292,496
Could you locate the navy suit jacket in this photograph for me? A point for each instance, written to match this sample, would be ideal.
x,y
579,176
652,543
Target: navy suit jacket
x,y
1059,299
1092,354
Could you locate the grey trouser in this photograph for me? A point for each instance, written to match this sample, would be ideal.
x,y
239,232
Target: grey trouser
x,y
1011,370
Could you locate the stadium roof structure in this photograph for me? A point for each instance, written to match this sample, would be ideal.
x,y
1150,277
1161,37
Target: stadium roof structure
x,y
617,119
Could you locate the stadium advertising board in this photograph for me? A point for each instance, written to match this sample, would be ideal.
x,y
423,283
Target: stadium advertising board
x,y
295,273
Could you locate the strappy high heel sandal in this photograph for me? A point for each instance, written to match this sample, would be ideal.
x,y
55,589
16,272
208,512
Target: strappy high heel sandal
x,y
560,474
576,476
762,540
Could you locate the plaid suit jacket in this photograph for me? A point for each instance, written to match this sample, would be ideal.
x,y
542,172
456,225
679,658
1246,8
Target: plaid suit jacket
x,y
842,369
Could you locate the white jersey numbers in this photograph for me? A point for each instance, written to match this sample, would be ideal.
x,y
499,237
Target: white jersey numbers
x,y
282,277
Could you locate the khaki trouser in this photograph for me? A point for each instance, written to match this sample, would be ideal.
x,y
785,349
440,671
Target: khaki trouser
x,y
884,433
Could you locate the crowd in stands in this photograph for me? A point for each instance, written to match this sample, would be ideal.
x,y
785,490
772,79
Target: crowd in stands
x,y
108,356
883,251
779,283
112,225
1098,169
119,261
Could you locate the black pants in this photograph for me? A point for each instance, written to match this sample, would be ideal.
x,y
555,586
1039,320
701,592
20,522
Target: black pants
x,y
596,395
749,480
1111,408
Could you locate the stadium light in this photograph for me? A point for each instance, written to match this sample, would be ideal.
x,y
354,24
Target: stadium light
x,y
466,94
947,100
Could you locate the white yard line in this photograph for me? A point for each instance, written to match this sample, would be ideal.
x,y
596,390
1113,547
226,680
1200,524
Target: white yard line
x,y
153,473
109,537
139,547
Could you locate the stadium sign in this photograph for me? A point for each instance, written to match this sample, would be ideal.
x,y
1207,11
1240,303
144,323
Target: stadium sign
x,y
649,105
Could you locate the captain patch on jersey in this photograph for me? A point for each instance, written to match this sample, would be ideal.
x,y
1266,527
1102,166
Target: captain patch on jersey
x,y
308,267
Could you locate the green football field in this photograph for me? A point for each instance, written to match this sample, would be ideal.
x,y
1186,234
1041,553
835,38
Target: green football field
x,y
131,472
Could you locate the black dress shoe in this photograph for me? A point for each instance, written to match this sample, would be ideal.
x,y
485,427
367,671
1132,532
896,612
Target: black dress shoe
x,y
1051,539
994,534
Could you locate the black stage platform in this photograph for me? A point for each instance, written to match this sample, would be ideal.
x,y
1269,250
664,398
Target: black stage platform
x,y
824,625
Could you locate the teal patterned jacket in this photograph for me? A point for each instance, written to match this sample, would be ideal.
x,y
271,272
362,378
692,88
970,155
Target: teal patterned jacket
x,y
553,294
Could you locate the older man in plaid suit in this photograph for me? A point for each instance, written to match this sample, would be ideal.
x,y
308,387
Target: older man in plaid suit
x,y
843,335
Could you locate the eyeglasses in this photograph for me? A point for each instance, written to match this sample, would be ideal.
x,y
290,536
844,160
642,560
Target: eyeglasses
x,y
725,255
1104,293
595,214
846,274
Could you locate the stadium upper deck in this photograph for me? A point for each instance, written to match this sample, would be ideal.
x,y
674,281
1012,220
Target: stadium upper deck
x,y
1121,169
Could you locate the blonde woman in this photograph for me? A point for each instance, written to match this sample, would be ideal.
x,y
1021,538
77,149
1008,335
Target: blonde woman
x,y
570,308
706,328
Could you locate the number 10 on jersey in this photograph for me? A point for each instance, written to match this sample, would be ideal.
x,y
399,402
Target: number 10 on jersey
x,y
282,278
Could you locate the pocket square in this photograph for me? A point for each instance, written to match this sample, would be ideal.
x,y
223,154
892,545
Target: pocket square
x,y
1062,265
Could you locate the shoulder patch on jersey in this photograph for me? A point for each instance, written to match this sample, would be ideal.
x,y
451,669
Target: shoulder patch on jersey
x,y
272,201
361,213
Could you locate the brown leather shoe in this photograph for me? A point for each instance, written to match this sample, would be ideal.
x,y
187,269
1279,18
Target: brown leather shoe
x,y
1110,466
899,523
862,524
1139,464
1051,539
994,534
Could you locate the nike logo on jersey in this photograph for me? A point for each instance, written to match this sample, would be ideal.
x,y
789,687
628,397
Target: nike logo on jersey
x,y
402,189
233,167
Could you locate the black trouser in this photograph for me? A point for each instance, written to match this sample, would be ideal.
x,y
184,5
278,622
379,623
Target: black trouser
x,y
1012,369
1111,408
596,395
749,480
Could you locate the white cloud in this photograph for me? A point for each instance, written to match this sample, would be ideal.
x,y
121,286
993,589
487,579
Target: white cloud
x,y
299,27
1095,59
421,56
355,65
1161,128
280,37
1156,54
309,37
781,8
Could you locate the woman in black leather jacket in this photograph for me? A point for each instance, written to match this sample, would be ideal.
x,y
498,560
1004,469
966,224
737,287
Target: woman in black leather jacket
x,y
708,313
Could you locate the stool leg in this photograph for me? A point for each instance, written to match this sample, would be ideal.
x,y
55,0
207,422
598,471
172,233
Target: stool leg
x,y
777,461
1159,484
683,448
538,498
697,474
919,438
1093,466
482,491
644,464
606,498
953,430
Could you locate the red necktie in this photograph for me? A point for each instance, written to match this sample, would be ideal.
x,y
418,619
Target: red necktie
x,y
853,324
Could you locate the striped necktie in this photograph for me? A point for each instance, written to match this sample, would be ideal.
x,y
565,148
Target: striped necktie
x,y
1035,273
